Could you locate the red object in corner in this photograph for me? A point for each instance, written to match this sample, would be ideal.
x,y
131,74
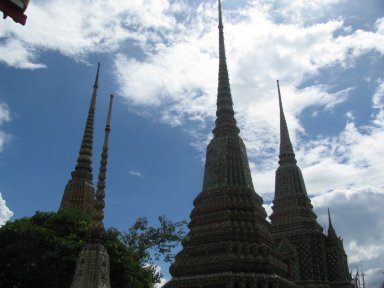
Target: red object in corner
x,y
11,10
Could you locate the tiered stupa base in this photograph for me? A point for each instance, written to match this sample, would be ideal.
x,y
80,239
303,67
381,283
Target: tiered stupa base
x,y
230,280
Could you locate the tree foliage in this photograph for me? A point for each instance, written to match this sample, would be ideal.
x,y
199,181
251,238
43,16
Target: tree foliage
x,y
154,243
41,251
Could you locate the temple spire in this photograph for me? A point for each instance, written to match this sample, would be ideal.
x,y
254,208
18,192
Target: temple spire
x,y
293,221
225,121
79,191
286,150
229,242
84,161
97,226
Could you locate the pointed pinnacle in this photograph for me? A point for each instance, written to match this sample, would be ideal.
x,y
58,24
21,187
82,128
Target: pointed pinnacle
x,y
97,228
84,161
286,150
225,121
331,230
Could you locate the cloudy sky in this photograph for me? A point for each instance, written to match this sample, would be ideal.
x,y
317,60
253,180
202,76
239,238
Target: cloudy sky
x,y
160,57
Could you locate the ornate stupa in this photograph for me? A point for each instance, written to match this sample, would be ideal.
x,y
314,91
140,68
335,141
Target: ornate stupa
x,y
229,243
297,234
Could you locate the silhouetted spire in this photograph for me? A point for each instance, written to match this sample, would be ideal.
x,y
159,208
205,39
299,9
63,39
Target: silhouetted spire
x,y
97,228
84,161
286,151
227,154
331,230
225,121
293,221
336,258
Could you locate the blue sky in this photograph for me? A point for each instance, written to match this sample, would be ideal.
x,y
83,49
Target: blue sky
x,y
160,58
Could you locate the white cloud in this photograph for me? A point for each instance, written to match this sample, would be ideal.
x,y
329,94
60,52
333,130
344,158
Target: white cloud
x,y
5,213
77,28
135,173
177,76
3,140
374,277
5,116
362,253
181,76
15,54
351,159
296,11
99,26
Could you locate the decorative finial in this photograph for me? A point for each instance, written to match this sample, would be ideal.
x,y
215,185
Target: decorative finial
x,y
225,121
108,124
286,150
220,16
97,228
96,85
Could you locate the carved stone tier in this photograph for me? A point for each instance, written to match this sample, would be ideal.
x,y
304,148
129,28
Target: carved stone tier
x,y
228,233
227,163
230,280
92,269
292,208
78,194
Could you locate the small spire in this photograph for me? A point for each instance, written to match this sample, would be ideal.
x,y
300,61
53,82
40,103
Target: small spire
x,y
331,230
225,121
97,228
108,124
286,150
84,161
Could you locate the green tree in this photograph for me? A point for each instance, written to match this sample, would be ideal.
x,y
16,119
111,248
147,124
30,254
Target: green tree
x,y
154,243
41,251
